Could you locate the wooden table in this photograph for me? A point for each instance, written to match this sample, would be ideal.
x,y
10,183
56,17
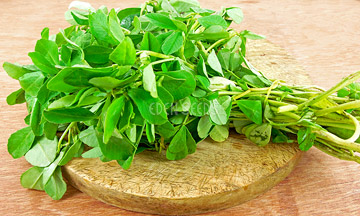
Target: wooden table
x,y
322,35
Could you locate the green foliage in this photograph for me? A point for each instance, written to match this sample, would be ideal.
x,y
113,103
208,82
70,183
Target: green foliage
x,y
161,77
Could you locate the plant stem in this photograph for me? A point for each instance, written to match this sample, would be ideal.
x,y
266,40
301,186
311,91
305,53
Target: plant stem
x,y
345,82
64,134
344,106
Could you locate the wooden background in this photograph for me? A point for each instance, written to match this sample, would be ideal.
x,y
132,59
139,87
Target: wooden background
x,y
322,35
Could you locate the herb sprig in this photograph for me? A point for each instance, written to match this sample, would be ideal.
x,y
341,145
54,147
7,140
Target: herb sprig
x,y
161,77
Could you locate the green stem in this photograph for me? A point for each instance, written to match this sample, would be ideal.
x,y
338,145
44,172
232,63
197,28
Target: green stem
x,y
155,54
64,134
337,141
344,106
345,82
215,44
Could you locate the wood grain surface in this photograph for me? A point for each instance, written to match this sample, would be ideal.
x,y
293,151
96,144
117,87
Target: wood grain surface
x,y
322,35
217,176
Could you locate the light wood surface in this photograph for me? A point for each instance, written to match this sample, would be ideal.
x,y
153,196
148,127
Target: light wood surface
x,y
321,35
217,176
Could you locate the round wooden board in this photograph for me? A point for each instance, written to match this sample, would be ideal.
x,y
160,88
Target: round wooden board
x,y
216,176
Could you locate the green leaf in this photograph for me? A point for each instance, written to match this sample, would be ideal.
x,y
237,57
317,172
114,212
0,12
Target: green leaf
x,y
50,130
199,106
69,154
126,116
225,102
182,105
305,138
92,153
35,118
31,82
45,33
63,102
97,54
150,42
239,125
124,53
252,109
166,6
178,144
49,170
236,14
114,25
190,142
56,186
203,11
89,137
112,117
203,81
32,178
199,93
106,82
219,133
42,63
260,134
214,32
20,142
279,137
180,25
16,97
62,116
165,96
15,71
151,109
45,95
251,35
165,130
137,26
343,92
75,78
201,67
150,132
204,126
99,27
149,81
181,145
212,20
49,50
179,84
224,58
190,49
126,16
79,18
172,43
214,63
117,148
184,5
177,119
161,21
217,113
42,153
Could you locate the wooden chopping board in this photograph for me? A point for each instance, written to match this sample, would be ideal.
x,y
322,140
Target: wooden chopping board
x,y
216,176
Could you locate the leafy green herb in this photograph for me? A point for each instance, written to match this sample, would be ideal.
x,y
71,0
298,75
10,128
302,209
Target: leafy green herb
x,y
112,117
20,142
252,109
161,77
172,43
43,152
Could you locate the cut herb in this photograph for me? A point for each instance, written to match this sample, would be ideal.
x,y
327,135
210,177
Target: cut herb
x,y
162,77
